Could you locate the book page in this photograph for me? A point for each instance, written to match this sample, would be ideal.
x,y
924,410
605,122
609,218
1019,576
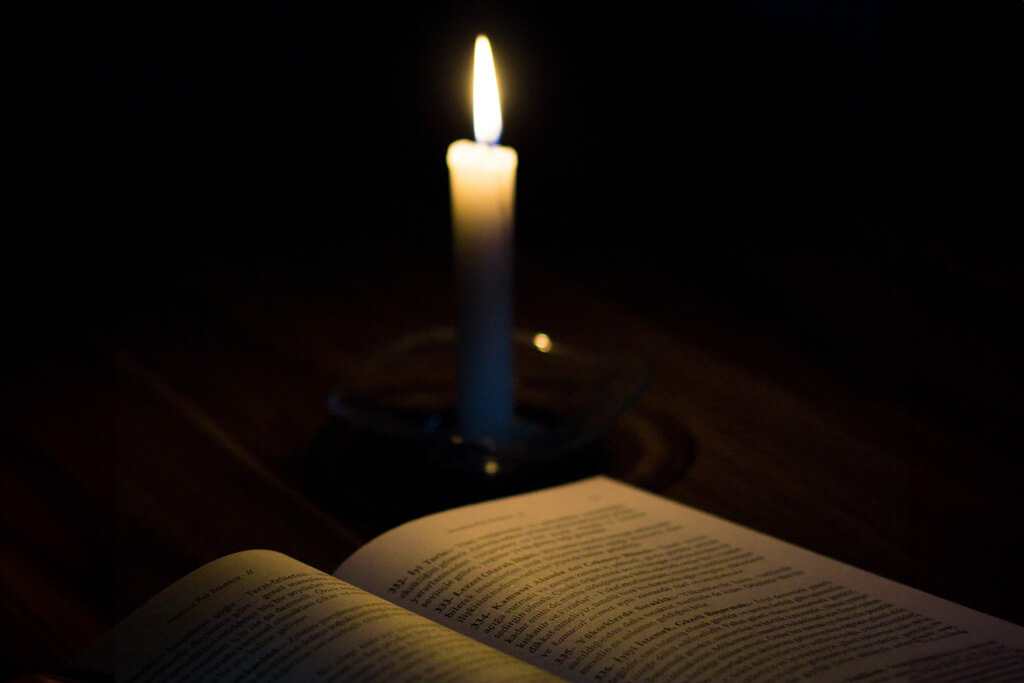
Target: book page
x,y
263,616
598,580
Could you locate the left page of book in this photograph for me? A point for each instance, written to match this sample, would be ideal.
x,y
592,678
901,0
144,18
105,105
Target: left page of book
x,y
260,615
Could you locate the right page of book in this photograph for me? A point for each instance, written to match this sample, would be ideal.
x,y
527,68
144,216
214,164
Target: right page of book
x,y
598,580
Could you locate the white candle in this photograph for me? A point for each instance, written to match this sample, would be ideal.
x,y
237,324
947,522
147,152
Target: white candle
x,y
483,178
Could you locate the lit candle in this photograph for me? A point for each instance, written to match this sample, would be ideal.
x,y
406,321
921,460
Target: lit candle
x,y
483,178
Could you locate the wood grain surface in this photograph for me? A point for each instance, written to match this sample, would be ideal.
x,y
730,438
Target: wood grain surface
x,y
210,218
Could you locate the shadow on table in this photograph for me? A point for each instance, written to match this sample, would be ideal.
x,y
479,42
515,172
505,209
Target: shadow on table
x,y
378,482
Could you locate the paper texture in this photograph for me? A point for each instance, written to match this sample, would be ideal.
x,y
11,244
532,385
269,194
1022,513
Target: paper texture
x,y
262,616
598,580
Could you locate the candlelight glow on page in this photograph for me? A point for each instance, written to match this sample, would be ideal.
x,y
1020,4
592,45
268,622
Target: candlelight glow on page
x,y
486,103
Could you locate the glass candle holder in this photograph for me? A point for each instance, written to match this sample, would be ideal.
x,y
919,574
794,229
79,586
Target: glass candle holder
x,y
564,397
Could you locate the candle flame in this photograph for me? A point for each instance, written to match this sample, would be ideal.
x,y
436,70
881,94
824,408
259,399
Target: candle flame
x,y
486,105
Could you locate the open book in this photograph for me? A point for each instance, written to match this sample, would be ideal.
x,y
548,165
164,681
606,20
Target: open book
x,y
594,580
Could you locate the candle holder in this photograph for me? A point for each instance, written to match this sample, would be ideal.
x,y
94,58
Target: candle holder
x,y
564,397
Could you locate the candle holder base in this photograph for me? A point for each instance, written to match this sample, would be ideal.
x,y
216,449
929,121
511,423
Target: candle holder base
x,y
564,398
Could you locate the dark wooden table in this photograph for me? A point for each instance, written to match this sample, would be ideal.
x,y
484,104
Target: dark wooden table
x,y
209,218
185,417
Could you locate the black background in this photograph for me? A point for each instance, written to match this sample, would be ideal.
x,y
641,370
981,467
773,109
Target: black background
x,y
844,175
